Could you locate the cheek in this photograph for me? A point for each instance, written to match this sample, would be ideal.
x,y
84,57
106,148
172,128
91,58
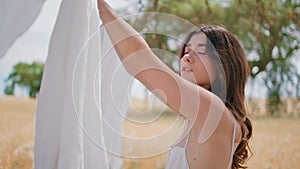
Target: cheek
x,y
207,69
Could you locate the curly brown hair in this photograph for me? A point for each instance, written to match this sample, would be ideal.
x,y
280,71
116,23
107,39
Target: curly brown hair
x,y
223,45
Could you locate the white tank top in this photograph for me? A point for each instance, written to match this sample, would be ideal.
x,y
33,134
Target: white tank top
x,y
177,158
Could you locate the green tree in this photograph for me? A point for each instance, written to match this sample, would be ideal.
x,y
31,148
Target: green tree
x,y
280,78
269,31
25,75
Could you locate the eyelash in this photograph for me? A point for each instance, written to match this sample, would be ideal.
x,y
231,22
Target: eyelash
x,y
200,53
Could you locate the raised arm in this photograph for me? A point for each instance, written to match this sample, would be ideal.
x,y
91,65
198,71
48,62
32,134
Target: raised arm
x,y
192,101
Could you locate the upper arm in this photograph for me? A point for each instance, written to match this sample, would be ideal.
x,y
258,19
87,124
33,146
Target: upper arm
x,y
184,97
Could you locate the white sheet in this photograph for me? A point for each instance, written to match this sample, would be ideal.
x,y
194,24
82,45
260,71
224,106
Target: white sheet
x,y
71,129
16,17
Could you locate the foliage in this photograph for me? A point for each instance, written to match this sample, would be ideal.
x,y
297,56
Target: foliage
x,y
25,75
269,31
281,78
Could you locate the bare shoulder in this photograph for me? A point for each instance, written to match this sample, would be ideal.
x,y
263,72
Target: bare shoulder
x,y
227,125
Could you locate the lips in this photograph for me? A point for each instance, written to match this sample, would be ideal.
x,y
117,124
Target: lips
x,y
186,69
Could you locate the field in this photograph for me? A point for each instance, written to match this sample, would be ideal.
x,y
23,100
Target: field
x,y
276,141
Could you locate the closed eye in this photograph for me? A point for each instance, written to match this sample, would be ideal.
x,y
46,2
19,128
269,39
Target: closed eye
x,y
202,53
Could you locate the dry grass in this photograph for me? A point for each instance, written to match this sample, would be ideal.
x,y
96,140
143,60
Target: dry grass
x,y
276,142
16,132
275,145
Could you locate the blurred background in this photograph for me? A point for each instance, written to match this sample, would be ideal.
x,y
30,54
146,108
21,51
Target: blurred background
x,y
268,30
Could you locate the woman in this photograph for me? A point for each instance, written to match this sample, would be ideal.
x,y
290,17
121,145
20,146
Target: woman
x,y
214,61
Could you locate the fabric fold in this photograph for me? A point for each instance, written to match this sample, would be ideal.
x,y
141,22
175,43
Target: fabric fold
x,y
16,18
78,111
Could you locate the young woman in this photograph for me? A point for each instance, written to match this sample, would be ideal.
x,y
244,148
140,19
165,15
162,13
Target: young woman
x,y
209,91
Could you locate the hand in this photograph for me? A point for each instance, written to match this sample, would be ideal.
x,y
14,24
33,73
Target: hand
x,y
106,13
101,3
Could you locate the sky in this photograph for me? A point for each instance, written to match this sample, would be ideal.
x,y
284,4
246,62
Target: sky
x,y
33,46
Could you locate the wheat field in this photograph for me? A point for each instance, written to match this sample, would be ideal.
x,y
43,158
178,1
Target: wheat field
x,y
275,144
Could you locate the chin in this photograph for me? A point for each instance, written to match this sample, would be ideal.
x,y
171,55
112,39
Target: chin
x,y
189,79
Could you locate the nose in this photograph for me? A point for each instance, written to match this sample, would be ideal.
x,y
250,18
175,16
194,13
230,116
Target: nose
x,y
187,58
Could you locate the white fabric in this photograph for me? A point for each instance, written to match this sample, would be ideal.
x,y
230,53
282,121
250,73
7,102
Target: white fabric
x,y
16,17
177,158
71,129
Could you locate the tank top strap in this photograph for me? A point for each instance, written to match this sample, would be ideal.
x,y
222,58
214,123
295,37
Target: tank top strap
x,y
232,142
188,135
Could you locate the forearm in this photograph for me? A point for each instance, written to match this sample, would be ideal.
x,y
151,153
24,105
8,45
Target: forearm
x,y
127,41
